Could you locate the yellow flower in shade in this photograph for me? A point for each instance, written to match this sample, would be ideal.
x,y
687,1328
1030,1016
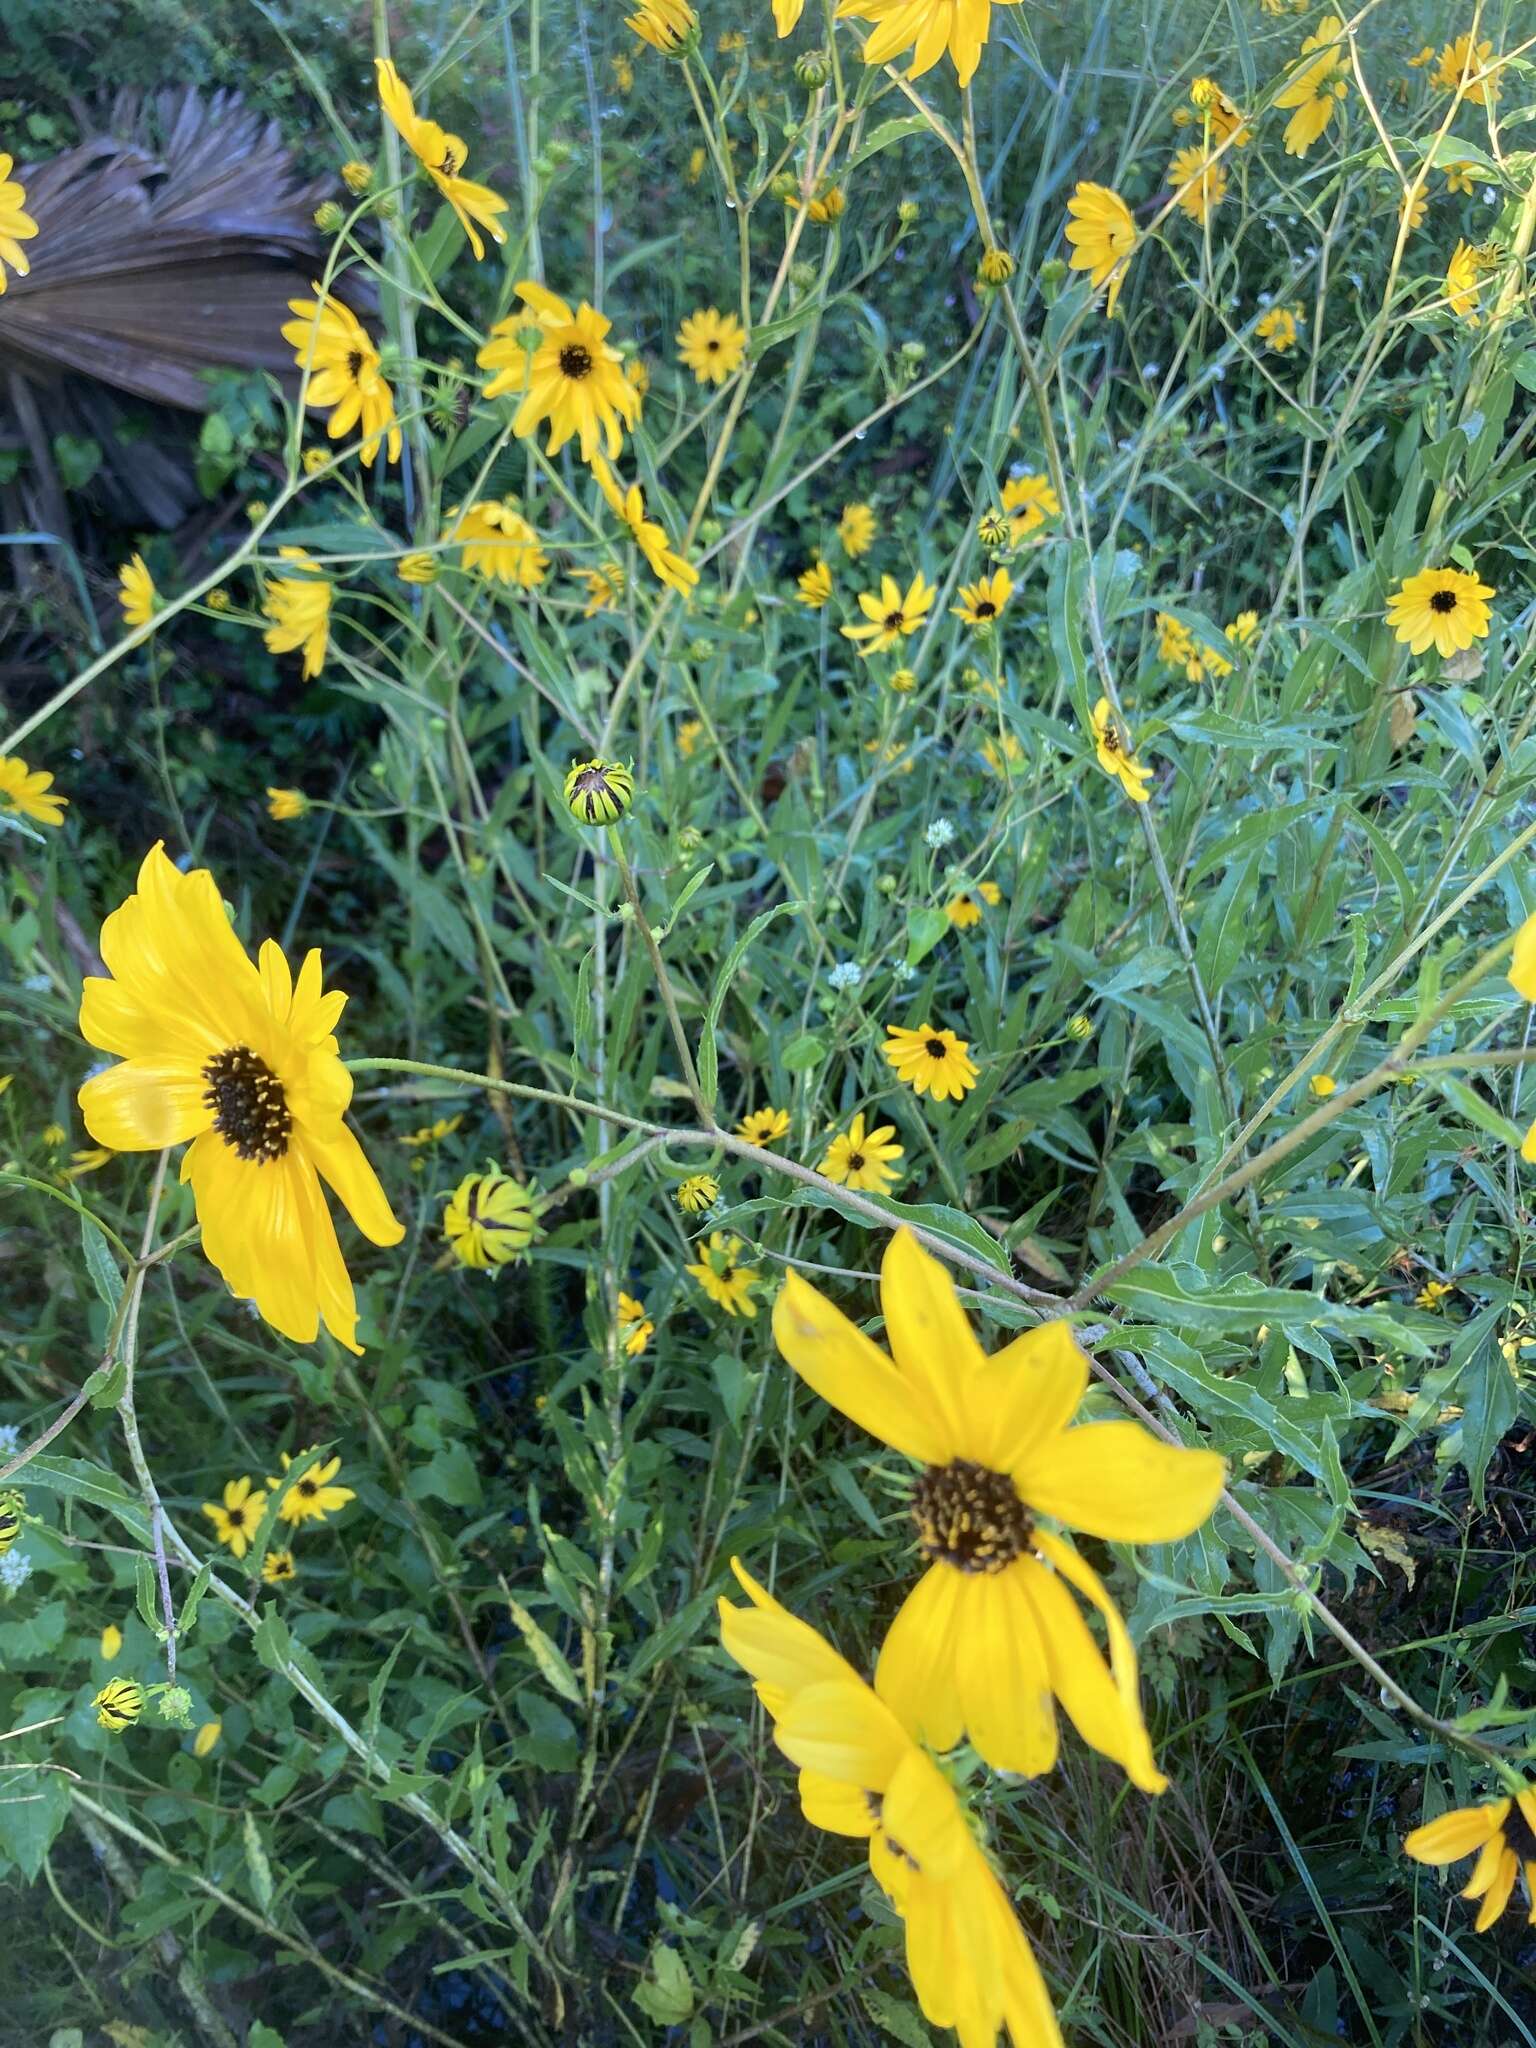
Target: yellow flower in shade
x,y
111,1642
207,1736
928,28
443,156
1003,754
498,541
696,162
635,1327
856,530
431,1134
299,607
665,563
16,226
623,73
313,1497
862,1775
785,14
931,1061
890,616
573,379
54,1136
1502,1836
1116,756
763,1126
1412,209
712,345
991,1633
242,1061
278,1566
1177,646
1432,1293
90,1161
1426,55
1464,281
1277,328
903,681
1199,184
235,1518
964,910
121,1700
982,603
728,1284
357,177
1458,177
1223,116
860,1158
1441,608
1465,67
345,376
599,792
28,793
700,1191
689,733
490,1220
283,804
664,24
814,585
1317,87
605,586
136,592
638,375
1103,237
1522,965
1029,501
1322,1086
1243,630
417,567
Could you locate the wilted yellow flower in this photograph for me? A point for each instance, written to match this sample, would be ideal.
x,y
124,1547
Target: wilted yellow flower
x,y
443,156
283,804
666,564
498,541
605,586
205,1738
814,585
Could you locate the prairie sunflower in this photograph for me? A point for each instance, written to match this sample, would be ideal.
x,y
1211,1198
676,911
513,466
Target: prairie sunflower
x,y
700,1191
234,1518
277,1567
283,804
1115,754
785,14
723,1278
862,1775
443,156
299,607
814,585
1464,281
860,1158
1103,238
573,379
664,24
1458,70
418,567
1278,328
1029,501
635,1327
136,592
1316,89
982,603
598,792
964,910
711,344
856,530
313,1497
931,1061
928,28
891,617
1502,1834
490,1220
1441,608
605,586
628,505
1199,184
16,226
242,1061
990,1635
763,1126
28,793
498,541
120,1702
345,373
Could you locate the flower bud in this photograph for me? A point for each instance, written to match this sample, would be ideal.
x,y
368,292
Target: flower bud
x,y
176,1707
992,529
357,177
598,792
909,213
994,269
490,1220
119,1704
813,68
328,217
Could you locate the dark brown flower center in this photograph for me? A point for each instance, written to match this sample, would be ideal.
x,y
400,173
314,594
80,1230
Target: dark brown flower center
x,y
1519,1835
308,1488
355,364
893,622
986,609
935,1048
235,1517
969,1516
856,1161
575,361
1111,741
250,1110
449,167
712,344
1443,601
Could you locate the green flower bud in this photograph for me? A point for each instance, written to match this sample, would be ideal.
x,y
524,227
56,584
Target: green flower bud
x,y
598,792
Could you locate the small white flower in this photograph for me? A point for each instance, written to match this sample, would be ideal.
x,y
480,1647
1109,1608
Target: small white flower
x,y
846,974
939,833
15,1570
904,971
1151,370
10,1438
1490,196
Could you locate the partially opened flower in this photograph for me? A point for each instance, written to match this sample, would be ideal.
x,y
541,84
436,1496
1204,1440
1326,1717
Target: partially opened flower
x,y
1115,755
443,156
1103,238
928,28
1199,182
1502,1836
29,793
1464,274
635,1327
136,592
814,585
1446,609
120,1702
573,379
664,24
991,1636
299,606
862,1775
345,374
856,530
242,1061
490,1220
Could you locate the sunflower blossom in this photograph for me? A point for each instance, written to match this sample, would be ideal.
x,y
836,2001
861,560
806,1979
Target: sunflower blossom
x,y
860,1158
1199,183
862,1775
1115,754
1464,281
235,1517
1441,608
814,586
628,505
1103,238
1501,1834
990,1637
313,1497
891,617
664,24
763,1126
856,530
1278,328
982,603
723,1278
242,1061
300,610
1465,67
1028,501
28,793
498,542
1317,88
573,379
345,375
928,28
635,1327
443,156
16,226
136,592
711,344
931,1061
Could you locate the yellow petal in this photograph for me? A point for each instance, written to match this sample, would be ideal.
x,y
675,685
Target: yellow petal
x,y
921,1812
1082,1682
1005,1674
1522,968
141,1105
1486,1868
1497,1896
1027,1393
839,1362
784,1654
930,1335
1457,1833
839,1809
343,1163
1118,1481
919,1658
1135,1752
840,1730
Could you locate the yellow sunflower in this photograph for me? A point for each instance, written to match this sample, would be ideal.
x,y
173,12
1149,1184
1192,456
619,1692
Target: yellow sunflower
x,y
890,616
1464,281
928,28
235,1518
856,530
814,585
277,1567
664,24
345,374
1441,608
1502,1835
443,156
964,910
242,1061
605,587
28,793
1278,328
860,1158
1029,501
763,1126
990,1636
573,379
665,563
1464,66
497,541
313,1497
700,1191
285,804
1317,88
635,1327
723,1278
299,607
862,1775
1115,754
931,1061
711,344
982,603
1199,184
136,592
1103,238
16,226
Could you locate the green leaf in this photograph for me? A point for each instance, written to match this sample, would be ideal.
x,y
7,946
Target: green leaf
x,y
925,928
953,1226
100,1264
449,1475
34,1806
709,1057
546,1654
666,1994
886,136
802,1053
80,1481
29,1641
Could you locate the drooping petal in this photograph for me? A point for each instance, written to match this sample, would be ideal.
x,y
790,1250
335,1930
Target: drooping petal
x,y
1485,1869
920,1811
1497,1896
839,1809
1457,1833
839,1362
1138,1763
1118,1481
255,1231
343,1163
783,1654
930,1336
915,1675
1082,1682
141,1105
840,1730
